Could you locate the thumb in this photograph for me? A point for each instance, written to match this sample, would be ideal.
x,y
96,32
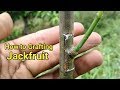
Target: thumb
x,y
6,25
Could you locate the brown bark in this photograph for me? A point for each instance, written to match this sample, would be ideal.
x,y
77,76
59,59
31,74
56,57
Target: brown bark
x,y
66,44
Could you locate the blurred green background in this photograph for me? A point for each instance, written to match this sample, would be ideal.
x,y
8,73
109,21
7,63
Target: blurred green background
x,y
26,22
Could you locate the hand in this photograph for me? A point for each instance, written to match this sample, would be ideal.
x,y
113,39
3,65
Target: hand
x,y
16,69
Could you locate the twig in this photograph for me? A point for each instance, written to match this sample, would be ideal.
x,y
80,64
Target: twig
x,y
48,71
89,31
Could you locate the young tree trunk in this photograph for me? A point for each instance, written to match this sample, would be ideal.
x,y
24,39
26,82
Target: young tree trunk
x,y
66,44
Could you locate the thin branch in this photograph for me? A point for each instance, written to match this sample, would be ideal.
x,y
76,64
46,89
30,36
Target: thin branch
x,y
89,31
48,71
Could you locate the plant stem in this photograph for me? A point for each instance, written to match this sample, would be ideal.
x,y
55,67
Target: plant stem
x,y
89,31
48,71
66,43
